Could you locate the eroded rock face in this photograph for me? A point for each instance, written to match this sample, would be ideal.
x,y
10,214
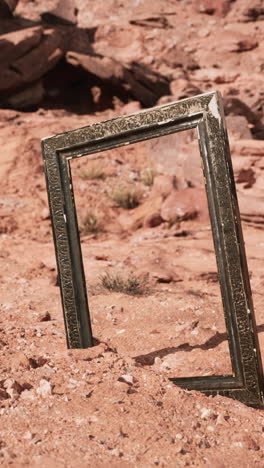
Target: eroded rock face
x,y
233,41
238,127
163,185
184,204
147,214
7,7
18,43
21,66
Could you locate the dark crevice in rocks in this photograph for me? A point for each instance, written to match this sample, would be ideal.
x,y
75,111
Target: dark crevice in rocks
x,y
76,90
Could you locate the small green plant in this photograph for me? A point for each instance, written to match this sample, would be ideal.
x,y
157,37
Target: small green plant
x,y
147,176
90,224
131,285
126,197
93,172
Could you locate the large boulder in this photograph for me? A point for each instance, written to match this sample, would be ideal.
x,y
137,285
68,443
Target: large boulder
x,y
16,44
147,214
238,127
182,205
25,57
163,185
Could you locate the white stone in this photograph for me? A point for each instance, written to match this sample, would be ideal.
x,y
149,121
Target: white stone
x,y
45,388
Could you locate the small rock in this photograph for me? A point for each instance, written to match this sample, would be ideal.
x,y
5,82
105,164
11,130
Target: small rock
x,y
45,317
13,388
45,214
161,276
104,258
45,388
210,428
205,412
28,395
222,419
126,378
153,220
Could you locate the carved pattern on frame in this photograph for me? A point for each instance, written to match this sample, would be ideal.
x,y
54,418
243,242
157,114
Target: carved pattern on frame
x,y
62,249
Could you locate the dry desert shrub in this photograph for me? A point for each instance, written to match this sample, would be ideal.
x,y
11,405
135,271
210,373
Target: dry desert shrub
x,y
130,285
93,172
147,176
126,197
91,224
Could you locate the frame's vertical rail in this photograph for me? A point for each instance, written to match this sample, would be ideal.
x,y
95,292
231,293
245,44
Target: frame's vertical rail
x,y
230,253
214,189
81,300
62,247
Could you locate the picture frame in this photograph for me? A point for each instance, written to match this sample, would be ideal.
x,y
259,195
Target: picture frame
x,y
205,113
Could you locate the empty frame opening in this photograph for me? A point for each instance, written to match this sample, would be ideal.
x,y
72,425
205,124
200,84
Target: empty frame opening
x,y
148,255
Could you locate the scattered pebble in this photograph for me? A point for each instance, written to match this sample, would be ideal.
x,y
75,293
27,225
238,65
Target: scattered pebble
x,y
205,412
45,317
13,388
128,379
44,389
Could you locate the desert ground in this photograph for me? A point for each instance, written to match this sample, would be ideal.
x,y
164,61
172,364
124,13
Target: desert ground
x,y
149,260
